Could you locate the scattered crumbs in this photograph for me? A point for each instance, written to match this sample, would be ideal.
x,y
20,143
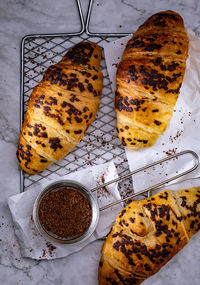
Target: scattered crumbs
x,y
115,64
103,192
43,253
50,247
170,151
178,134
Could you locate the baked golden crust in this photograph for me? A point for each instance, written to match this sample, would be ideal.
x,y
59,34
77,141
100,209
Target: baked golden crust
x,y
29,159
116,275
61,107
147,234
149,79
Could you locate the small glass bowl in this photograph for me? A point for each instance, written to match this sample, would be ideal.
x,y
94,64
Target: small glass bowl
x,y
81,188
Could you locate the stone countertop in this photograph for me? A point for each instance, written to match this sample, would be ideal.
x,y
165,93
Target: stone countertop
x,y
17,19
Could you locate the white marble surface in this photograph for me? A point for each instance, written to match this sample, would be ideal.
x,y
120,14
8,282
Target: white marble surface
x,y
21,17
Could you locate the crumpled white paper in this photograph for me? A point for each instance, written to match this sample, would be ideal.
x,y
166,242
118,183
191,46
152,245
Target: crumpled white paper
x,y
183,131
185,184
35,246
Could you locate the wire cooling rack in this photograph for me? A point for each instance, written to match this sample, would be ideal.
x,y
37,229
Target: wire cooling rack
x,y
101,143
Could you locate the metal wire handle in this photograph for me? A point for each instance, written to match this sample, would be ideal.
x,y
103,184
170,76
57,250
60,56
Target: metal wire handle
x,y
154,186
99,34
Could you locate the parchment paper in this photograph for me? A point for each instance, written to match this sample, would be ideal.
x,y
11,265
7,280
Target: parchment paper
x,y
35,246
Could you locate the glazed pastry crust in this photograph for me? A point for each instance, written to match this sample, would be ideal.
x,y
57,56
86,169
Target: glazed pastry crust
x,y
147,234
149,79
61,108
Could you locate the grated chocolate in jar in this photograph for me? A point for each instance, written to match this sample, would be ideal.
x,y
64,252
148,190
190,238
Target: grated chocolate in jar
x,y
65,212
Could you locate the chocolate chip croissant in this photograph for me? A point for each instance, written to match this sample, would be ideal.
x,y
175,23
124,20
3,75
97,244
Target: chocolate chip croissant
x,y
149,78
147,234
61,108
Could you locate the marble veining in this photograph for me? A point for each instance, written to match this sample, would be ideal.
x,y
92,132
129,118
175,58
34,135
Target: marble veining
x,y
127,15
17,19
